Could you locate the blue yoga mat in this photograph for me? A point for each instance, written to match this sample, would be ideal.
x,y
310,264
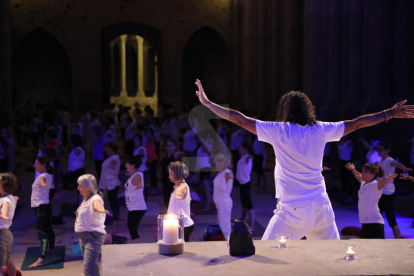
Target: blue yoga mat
x,y
52,260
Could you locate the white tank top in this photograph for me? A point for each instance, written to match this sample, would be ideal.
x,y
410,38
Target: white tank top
x,y
40,195
144,158
87,220
222,188
109,177
76,161
181,207
6,223
134,198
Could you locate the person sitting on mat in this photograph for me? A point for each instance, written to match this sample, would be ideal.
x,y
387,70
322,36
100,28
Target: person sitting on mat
x,y
90,223
40,204
369,195
180,198
223,184
8,185
134,196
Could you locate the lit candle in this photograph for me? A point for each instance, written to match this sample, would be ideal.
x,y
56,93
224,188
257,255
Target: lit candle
x,y
170,230
282,242
350,253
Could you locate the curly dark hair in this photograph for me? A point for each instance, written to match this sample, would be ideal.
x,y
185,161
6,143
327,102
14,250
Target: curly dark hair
x,y
9,182
296,108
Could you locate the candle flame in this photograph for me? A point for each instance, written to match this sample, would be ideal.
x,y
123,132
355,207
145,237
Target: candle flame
x,y
282,239
170,216
350,250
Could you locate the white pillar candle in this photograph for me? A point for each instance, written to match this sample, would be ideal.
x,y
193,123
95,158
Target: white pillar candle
x,y
170,230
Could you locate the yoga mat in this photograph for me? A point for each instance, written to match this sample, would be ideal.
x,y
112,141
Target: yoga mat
x,y
52,260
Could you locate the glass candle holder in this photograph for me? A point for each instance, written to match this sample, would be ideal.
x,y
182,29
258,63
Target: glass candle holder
x,y
351,251
282,240
170,234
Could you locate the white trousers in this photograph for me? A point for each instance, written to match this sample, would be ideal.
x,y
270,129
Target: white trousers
x,y
224,218
311,217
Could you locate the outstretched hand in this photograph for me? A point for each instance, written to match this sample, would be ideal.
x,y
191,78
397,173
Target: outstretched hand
x,y
103,211
399,110
200,93
228,176
350,166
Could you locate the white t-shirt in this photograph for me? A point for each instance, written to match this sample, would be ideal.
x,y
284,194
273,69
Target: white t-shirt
x,y
222,188
144,158
189,143
369,196
389,187
40,195
203,159
134,198
181,207
76,161
109,177
243,170
87,220
345,150
299,150
6,223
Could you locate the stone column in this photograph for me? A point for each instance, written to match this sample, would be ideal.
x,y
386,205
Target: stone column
x,y
5,58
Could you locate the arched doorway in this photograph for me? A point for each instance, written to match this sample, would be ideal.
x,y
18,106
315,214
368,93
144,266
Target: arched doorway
x,y
131,65
41,70
206,57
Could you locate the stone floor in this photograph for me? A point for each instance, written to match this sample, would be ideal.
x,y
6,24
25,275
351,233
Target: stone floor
x,y
264,202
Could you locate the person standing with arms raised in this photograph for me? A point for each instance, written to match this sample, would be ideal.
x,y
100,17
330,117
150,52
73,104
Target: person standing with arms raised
x,y
304,208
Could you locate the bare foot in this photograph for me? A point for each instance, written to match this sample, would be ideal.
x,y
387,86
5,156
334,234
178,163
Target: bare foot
x,y
39,262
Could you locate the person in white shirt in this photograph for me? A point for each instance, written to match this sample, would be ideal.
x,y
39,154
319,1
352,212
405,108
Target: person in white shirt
x,y
223,184
139,149
43,212
386,202
134,196
369,195
180,200
204,168
77,126
8,185
244,169
298,140
109,179
345,147
90,223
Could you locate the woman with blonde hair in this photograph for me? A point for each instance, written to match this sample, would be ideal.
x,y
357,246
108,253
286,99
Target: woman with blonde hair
x,y
90,223
180,198
223,184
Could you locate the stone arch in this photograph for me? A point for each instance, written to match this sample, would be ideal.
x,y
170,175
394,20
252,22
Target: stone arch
x,y
41,70
207,57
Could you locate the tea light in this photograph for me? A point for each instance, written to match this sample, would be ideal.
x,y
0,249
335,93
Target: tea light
x,y
282,240
351,252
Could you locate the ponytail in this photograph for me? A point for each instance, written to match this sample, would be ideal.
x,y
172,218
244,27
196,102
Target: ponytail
x,y
44,160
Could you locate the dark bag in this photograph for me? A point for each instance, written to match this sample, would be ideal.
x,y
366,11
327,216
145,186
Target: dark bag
x,y
213,232
241,239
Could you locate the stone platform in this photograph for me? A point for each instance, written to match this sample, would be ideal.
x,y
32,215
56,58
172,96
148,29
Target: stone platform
x,y
306,257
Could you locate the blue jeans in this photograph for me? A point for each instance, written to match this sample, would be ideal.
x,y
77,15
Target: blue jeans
x,y
90,244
